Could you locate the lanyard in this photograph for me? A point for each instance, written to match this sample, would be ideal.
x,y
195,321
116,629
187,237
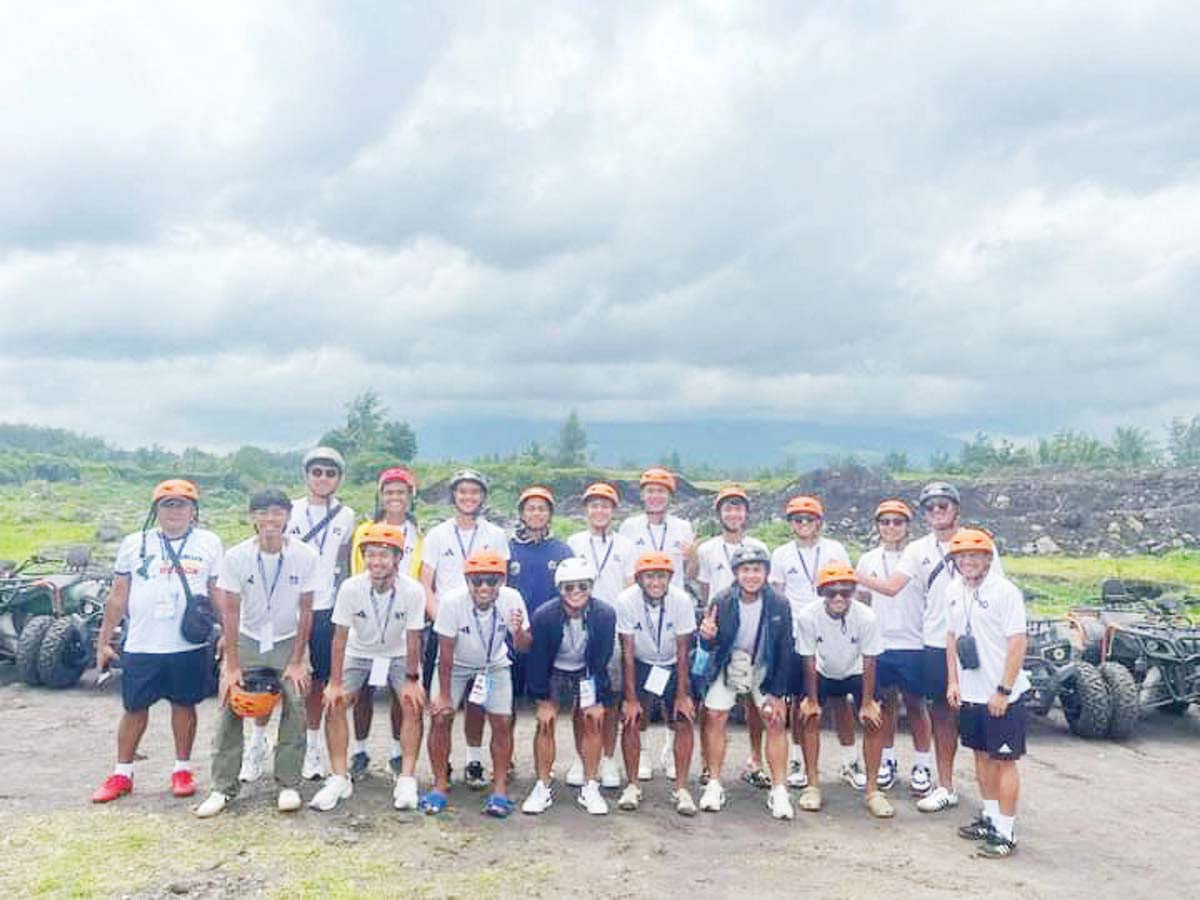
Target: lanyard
x,y
728,555
947,563
811,576
650,534
601,563
491,641
262,571
662,618
466,551
324,531
968,604
387,617
883,559
175,556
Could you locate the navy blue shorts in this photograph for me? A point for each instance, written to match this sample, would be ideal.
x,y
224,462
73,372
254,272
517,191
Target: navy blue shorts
x,y
1000,737
648,700
320,644
796,676
839,687
935,674
903,669
179,678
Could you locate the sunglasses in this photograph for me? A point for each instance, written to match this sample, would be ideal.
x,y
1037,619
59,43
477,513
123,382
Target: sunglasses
x,y
803,518
938,504
569,587
838,592
484,580
318,472
174,503
884,520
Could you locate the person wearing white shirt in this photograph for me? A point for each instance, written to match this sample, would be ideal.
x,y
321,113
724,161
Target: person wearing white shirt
x,y
158,662
901,666
267,584
612,557
657,529
473,626
794,568
655,624
985,650
838,640
378,617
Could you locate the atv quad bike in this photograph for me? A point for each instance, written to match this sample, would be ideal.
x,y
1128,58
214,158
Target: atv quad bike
x,y
1056,672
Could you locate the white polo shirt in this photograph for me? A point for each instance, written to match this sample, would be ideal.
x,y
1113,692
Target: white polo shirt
x,y
714,557
474,632
156,597
669,537
379,623
328,542
796,569
839,645
655,627
447,547
901,618
996,612
270,585
919,561
613,558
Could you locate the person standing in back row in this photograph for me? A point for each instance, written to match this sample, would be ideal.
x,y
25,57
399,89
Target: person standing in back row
x,y
656,529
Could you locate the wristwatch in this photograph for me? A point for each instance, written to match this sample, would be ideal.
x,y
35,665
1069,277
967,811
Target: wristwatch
x,y
1003,691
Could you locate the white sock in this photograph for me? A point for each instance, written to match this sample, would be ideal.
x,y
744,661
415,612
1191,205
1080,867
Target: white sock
x,y
125,769
850,754
360,746
889,754
797,754
924,758
258,733
183,765
474,755
397,750
991,810
1006,825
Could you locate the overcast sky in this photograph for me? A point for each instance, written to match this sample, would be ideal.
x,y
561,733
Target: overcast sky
x,y
218,222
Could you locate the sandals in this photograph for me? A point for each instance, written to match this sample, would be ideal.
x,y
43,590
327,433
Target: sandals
x,y
433,803
498,807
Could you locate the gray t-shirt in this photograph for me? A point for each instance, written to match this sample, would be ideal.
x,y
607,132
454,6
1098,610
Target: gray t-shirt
x,y
571,652
750,614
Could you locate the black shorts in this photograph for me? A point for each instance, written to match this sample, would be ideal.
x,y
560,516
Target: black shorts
x,y
935,674
320,644
839,687
903,669
180,678
648,700
796,676
1000,737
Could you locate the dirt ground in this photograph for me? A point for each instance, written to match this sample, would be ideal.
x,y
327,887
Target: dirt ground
x,y
1097,819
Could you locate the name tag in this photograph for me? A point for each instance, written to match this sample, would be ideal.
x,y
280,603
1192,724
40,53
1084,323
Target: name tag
x,y
164,608
656,680
379,671
479,689
587,692
266,643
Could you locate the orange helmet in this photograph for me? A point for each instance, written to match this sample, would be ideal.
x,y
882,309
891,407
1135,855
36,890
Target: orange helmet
x,y
731,492
658,475
604,491
385,534
835,573
895,507
653,562
972,540
805,504
397,473
176,487
485,562
535,491
257,695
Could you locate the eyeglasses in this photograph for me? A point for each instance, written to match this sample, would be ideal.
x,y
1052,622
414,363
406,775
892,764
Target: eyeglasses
x,y
898,520
803,518
484,580
569,587
174,502
318,472
938,504
838,592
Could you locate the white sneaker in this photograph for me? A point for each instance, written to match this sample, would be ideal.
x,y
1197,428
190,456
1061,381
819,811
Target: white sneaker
x,y
404,794
591,800
937,800
335,789
645,767
713,798
631,798
289,800
779,803
920,781
314,765
684,804
853,775
539,800
575,773
610,775
254,754
666,759
213,804
797,777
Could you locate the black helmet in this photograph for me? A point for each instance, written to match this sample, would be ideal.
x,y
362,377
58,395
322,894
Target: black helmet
x,y
744,555
937,490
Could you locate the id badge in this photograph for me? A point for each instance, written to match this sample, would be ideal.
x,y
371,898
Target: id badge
x,y
656,680
379,671
587,692
479,689
164,608
266,643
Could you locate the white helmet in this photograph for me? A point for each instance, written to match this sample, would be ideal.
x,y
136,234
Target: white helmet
x,y
324,454
574,568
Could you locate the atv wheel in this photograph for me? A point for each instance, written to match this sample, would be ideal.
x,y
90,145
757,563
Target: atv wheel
x,y
1124,707
63,655
29,643
1177,708
1085,702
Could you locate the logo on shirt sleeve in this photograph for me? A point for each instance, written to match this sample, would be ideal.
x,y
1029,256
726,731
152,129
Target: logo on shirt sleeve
x,y
514,568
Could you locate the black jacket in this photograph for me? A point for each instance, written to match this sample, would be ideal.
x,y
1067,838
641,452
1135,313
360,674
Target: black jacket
x,y
776,647
600,622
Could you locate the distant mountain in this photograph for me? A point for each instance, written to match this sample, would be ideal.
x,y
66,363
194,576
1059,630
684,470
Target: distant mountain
x,y
724,443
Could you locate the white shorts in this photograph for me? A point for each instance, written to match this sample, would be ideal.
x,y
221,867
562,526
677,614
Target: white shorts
x,y
721,698
500,688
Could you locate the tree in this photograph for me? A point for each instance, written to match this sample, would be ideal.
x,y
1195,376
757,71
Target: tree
x,y
368,430
397,439
572,443
1131,446
1183,441
895,461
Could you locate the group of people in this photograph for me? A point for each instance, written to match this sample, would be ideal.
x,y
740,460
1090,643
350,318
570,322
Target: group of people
x,y
615,627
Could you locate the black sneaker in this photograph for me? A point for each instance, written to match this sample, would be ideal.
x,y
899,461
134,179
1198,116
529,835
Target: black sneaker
x,y
358,765
997,847
978,830
474,777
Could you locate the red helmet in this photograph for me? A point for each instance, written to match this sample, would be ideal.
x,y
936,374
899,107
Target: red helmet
x,y
398,473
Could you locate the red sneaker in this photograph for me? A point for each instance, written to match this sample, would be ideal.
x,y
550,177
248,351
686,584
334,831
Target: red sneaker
x,y
182,783
114,786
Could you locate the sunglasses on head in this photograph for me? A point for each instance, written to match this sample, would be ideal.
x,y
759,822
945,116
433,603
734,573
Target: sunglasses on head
x,y
318,472
804,518
938,504
898,520
572,586
838,592
484,580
